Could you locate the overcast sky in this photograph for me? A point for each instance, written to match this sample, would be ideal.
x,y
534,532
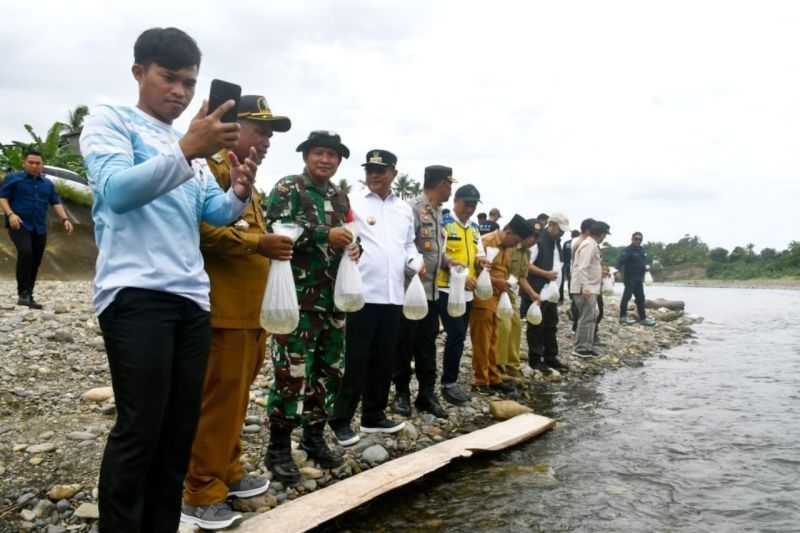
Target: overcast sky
x,y
664,117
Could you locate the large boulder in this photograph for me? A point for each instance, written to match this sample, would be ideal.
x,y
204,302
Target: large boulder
x,y
505,409
672,305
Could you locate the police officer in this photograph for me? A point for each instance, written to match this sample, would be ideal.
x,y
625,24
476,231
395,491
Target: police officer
x,y
308,362
418,338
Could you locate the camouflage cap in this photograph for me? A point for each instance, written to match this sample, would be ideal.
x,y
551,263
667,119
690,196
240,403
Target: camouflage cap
x,y
254,107
325,139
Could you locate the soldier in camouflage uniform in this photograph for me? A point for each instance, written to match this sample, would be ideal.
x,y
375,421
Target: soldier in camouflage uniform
x,y
308,362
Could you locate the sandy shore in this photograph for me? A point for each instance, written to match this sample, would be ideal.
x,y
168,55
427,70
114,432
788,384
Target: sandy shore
x,y
52,433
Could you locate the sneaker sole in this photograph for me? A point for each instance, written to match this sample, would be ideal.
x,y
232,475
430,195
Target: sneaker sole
x,y
394,429
583,356
205,524
249,493
348,442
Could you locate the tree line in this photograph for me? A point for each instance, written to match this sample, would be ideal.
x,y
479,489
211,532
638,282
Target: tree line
x,y
742,262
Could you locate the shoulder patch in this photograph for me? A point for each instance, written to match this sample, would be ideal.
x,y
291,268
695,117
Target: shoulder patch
x,y
448,218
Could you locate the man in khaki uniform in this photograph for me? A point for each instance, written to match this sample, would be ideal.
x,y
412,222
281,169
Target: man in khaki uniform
x,y
483,321
236,260
510,329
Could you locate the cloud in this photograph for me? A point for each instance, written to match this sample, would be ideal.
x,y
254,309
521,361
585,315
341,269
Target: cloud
x,y
668,118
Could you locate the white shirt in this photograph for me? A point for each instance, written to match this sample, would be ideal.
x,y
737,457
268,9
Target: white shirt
x,y
386,230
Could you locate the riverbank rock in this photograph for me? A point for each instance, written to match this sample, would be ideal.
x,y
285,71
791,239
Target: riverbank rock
x,y
99,394
87,510
375,455
62,492
672,305
505,409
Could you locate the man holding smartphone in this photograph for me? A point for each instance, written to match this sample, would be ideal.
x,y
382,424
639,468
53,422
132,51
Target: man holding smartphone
x,y
151,292
237,262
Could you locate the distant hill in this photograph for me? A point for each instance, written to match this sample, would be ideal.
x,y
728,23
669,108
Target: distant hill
x,y
66,257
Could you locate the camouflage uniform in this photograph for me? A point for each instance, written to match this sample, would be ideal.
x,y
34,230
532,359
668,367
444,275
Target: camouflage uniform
x,y
308,362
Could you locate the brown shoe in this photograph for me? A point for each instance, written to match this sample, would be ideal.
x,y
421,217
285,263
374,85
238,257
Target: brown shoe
x,y
514,373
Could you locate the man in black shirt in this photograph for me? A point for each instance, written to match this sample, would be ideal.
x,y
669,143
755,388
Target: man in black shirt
x,y
491,224
632,265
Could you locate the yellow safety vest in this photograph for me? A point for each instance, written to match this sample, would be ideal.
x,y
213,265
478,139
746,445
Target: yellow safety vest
x,y
462,245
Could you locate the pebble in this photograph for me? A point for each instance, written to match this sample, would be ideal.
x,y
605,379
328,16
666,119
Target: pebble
x,y
60,308
62,492
100,394
87,510
27,515
63,505
62,335
108,408
428,419
253,420
25,498
375,455
45,447
81,435
299,456
252,428
310,485
36,461
311,473
56,529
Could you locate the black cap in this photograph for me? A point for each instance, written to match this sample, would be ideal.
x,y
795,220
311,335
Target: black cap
x,y
468,193
254,107
436,174
325,139
536,225
520,226
379,157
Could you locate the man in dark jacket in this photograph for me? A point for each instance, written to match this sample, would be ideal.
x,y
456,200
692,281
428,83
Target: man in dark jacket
x,y
542,341
632,265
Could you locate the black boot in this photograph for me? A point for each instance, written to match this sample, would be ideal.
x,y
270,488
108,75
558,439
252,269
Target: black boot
x,y
33,304
313,443
427,402
279,456
24,299
554,362
535,362
402,403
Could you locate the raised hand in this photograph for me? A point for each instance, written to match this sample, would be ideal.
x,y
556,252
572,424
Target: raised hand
x,y
207,134
243,173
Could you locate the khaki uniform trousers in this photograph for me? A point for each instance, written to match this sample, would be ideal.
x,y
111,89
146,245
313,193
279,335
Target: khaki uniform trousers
x,y
510,339
234,362
483,331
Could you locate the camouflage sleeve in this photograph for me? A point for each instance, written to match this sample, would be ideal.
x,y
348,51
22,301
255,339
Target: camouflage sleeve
x,y
281,205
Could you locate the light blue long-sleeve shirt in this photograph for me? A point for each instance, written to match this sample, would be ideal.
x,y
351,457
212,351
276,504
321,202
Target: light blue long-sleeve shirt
x,y
148,203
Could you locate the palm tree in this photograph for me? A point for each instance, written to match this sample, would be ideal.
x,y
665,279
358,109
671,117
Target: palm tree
x,y
75,121
54,152
344,185
404,186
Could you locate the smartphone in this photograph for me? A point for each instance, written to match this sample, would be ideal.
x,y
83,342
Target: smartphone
x,y
221,92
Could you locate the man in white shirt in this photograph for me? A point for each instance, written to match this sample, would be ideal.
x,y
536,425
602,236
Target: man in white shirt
x,y
585,286
385,225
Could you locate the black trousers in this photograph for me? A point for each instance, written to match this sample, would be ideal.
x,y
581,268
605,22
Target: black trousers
x,y
157,345
456,330
418,340
541,338
635,289
370,343
30,249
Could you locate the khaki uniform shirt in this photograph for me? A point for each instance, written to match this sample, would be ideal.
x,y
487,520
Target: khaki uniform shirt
x,y
238,274
499,268
520,259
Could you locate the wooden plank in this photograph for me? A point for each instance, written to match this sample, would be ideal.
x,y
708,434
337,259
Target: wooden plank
x,y
322,505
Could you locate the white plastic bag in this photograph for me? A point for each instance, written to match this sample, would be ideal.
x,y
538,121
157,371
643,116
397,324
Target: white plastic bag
x,y
415,303
348,292
513,284
504,308
608,286
550,293
534,314
648,278
457,300
483,286
279,310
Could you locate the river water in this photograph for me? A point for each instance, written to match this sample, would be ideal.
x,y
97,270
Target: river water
x,y
704,438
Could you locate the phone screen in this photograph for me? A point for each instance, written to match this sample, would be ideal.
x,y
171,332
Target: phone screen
x,y
222,91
